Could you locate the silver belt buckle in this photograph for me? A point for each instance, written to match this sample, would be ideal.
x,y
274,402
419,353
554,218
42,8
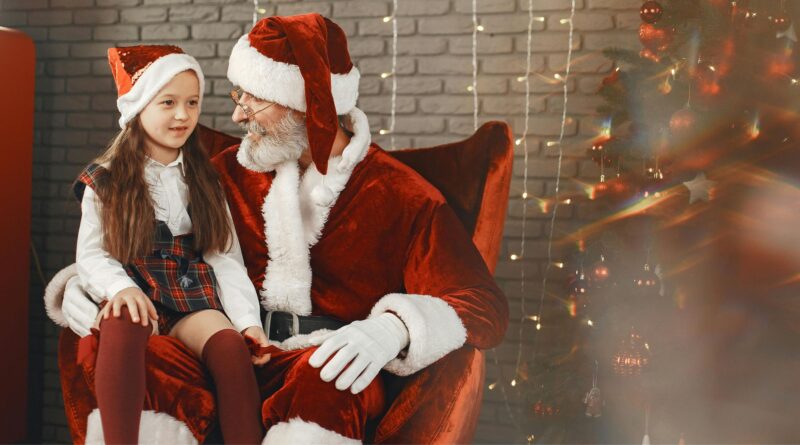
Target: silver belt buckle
x,y
295,323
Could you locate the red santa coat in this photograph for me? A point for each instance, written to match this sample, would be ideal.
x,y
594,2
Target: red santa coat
x,y
388,242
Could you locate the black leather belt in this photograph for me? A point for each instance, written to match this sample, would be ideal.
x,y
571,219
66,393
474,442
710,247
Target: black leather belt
x,y
281,325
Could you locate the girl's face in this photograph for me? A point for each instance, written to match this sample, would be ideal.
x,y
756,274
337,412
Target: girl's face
x,y
171,116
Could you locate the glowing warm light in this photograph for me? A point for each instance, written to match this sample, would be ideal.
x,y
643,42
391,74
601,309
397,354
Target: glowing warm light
x,y
518,141
387,19
552,143
755,130
558,77
492,386
521,78
590,322
383,131
539,19
480,28
514,382
385,75
470,88
559,264
533,317
513,257
567,201
538,326
564,21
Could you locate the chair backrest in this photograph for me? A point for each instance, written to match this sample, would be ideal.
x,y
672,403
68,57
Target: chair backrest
x,y
474,176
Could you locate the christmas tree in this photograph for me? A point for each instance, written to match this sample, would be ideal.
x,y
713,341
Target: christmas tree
x,y
677,299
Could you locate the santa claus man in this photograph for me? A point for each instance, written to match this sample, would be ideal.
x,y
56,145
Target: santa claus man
x,y
361,265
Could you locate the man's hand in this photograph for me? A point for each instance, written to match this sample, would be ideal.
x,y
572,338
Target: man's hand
x,y
256,333
139,305
78,308
369,344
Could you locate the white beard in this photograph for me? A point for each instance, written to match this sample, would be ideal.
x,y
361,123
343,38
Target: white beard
x,y
285,141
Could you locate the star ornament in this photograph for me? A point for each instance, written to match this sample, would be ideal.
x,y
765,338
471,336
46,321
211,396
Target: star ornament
x,y
790,34
699,188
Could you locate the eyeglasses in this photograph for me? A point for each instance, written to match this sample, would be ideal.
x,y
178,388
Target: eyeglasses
x,y
236,97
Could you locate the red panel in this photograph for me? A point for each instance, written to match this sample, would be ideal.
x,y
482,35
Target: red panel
x,y
17,55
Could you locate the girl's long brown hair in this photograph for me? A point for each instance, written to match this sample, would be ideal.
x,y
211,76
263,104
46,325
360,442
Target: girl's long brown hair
x,y
127,214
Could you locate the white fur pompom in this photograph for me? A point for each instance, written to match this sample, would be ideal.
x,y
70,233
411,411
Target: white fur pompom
x,y
322,195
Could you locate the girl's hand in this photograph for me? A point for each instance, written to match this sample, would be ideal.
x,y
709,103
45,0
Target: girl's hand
x,y
257,334
139,305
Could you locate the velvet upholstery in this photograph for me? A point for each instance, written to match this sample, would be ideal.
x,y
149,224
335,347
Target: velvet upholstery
x,y
474,177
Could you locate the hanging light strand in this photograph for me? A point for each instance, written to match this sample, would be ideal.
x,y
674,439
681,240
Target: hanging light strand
x,y
475,28
524,142
556,200
393,119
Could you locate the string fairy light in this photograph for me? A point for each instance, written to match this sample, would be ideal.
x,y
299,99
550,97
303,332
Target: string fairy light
x,y
257,10
476,27
393,113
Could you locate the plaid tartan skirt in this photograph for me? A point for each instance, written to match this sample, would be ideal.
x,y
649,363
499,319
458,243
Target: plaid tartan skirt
x,y
174,275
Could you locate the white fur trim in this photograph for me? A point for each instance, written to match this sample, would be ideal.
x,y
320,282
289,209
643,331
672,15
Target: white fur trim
x,y
314,212
434,327
287,281
153,80
283,83
54,294
154,428
290,206
299,431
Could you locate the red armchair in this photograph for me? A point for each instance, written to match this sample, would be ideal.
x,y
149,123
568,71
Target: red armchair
x,y
474,176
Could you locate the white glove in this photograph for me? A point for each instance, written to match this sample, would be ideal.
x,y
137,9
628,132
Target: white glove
x,y
78,308
370,344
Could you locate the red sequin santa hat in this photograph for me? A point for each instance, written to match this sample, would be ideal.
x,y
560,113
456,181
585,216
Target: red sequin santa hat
x,y
302,63
140,72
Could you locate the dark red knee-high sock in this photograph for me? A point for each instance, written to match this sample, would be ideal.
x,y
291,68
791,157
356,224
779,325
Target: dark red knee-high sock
x,y
228,359
120,377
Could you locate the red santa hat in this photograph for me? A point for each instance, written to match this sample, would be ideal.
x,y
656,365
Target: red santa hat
x,y
302,63
140,72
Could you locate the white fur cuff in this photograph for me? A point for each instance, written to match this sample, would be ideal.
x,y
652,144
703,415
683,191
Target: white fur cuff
x,y
154,428
54,294
298,431
434,329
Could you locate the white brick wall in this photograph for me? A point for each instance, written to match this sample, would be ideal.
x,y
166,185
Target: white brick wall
x,y
76,112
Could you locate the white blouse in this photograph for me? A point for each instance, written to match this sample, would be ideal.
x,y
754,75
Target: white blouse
x,y
103,276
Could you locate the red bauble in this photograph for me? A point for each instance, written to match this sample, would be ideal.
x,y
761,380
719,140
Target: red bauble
x,y
651,11
780,22
600,271
655,39
705,80
683,122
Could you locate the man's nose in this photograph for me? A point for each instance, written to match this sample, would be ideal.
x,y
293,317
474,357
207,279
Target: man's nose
x,y
238,115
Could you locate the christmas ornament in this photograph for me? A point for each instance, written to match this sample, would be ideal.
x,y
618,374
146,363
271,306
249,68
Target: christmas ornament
x,y
683,122
542,409
654,38
646,280
632,356
592,399
705,80
651,12
699,188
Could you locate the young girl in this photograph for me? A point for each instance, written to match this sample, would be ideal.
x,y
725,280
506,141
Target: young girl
x,y
156,245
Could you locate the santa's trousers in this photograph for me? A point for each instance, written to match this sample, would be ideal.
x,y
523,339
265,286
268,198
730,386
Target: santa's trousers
x,y
299,407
